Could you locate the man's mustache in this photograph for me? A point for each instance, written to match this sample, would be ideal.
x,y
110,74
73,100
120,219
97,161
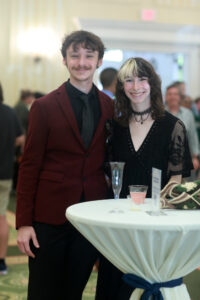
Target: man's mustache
x,y
82,68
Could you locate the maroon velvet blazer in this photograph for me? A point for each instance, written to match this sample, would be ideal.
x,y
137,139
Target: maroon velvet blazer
x,y
56,168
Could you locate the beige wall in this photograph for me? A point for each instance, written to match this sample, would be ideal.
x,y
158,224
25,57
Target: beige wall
x,y
19,71
167,11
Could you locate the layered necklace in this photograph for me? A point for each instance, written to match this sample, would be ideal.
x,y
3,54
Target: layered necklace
x,y
139,115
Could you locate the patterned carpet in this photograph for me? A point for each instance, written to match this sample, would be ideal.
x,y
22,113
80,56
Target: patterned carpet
x,y
14,285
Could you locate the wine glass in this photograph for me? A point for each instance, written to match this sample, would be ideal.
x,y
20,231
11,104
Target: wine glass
x,y
117,169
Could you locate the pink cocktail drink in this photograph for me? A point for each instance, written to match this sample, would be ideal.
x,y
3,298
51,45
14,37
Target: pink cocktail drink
x,y
138,197
138,193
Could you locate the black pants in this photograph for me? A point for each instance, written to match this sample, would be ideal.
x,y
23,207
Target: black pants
x,y
62,265
110,285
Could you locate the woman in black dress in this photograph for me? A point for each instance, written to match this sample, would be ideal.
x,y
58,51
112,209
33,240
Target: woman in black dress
x,y
143,135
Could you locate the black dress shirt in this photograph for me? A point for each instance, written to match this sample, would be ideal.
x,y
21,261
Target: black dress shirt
x,y
77,103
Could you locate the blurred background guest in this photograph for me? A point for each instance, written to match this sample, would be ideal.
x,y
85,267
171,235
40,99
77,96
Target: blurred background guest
x,y
22,108
108,79
197,107
196,112
173,102
38,94
181,86
10,135
186,101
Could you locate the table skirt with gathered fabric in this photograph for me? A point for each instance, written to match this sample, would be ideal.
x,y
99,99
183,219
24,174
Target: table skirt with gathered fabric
x,y
156,248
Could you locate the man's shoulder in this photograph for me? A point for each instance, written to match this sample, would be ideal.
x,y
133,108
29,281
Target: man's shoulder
x,y
187,114
6,109
8,115
50,97
20,107
186,110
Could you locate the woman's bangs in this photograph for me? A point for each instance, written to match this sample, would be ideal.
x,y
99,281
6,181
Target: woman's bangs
x,y
143,70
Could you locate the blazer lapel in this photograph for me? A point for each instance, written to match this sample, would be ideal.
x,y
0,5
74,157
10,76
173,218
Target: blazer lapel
x,y
65,105
102,119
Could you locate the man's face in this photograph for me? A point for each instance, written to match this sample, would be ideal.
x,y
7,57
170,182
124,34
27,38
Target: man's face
x,y
82,64
173,97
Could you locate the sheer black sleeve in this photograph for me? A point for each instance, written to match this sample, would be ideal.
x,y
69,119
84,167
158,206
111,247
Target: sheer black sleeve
x,y
180,161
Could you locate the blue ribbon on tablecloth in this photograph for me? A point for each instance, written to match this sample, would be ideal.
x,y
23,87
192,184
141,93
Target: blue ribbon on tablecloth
x,y
150,289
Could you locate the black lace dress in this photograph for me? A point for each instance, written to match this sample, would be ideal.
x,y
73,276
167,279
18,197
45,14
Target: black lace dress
x,y
165,147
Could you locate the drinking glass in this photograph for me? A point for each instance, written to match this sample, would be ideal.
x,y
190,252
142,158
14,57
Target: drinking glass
x,y
138,193
156,207
117,169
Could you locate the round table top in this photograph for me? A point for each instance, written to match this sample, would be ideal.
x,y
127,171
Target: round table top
x,y
119,213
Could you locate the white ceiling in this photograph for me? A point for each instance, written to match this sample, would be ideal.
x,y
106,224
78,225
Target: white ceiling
x,y
124,32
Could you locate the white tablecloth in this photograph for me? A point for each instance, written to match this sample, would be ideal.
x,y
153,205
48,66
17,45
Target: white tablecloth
x,y
156,248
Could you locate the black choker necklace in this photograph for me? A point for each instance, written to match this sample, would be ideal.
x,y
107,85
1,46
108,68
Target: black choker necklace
x,y
141,120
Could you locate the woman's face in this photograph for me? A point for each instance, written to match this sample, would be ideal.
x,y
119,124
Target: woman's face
x,y
137,89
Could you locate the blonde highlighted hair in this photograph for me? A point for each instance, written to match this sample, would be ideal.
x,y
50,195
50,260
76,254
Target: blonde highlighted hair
x,y
128,69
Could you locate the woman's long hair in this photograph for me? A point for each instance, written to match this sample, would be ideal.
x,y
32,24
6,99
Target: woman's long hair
x,y
141,68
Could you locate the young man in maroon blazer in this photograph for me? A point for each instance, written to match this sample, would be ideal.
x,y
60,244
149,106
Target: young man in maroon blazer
x,y
63,165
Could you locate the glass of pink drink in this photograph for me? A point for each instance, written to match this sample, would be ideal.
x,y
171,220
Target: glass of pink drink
x,y
138,193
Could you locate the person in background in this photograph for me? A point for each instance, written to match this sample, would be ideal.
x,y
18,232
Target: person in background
x,y
62,165
22,108
181,86
173,102
10,136
143,135
108,79
38,94
186,101
196,113
196,106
